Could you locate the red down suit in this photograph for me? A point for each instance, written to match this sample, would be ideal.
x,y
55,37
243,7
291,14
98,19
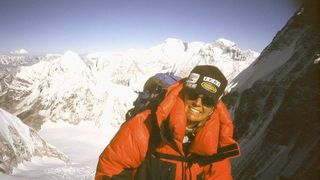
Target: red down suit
x,y
127,150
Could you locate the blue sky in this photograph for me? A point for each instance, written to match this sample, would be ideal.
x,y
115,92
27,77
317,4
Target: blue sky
x,y
42,26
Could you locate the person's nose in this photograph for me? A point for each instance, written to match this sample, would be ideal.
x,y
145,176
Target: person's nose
x,y
198,101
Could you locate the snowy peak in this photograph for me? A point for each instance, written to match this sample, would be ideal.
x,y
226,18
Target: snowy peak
x,y
227,56
173,42
227,49
276,54
73,88
11,61
72,62
20,143
171,47
20,51
225,43
49,90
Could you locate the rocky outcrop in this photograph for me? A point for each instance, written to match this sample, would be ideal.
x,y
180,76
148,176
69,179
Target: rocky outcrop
x,y
275,105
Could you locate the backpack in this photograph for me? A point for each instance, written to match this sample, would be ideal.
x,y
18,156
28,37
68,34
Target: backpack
x,y
154,90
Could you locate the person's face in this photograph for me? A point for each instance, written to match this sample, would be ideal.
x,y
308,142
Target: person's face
x,y
198,107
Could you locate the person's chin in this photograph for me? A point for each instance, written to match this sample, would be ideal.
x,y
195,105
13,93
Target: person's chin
x,y
193,118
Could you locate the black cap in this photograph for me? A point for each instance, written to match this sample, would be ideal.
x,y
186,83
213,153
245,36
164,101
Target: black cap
x,y
207,80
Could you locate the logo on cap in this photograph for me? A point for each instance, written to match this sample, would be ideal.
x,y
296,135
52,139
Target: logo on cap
x,y
209,87
193,78
212,80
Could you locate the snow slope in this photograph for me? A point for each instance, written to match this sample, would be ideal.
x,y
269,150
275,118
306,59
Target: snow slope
x,y
275,105
20,143
82,143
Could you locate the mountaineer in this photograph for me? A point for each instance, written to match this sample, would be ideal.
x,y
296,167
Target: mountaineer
x,y
188,135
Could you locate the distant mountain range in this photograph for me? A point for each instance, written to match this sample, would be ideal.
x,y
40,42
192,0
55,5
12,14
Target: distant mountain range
x,y
76,88
98,87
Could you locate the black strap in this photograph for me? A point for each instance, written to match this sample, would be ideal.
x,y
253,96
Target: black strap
x,y
171,157
228,148
223,153
205,160
155,137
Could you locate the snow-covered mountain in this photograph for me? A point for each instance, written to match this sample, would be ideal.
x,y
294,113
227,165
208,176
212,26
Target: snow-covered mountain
x,y
97,87
47,88
176,56
275,105
101,87
17,60
19,51
20,143
274,102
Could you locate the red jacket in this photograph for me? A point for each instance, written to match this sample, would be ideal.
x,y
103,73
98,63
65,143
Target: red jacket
x,y
127,150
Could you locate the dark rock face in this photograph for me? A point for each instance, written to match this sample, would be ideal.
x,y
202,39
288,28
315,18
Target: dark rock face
x,y
277,118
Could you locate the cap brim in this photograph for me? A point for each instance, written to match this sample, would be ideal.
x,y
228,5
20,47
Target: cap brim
x,y
200,90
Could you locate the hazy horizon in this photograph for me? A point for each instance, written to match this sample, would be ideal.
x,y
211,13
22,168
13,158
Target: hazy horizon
x,y
88,26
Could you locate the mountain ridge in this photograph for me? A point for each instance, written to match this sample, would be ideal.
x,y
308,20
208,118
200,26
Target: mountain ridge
x,y
20,143
76,88
275,106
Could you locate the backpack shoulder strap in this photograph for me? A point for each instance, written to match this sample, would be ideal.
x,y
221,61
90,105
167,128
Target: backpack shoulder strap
x,y
223,153
155,137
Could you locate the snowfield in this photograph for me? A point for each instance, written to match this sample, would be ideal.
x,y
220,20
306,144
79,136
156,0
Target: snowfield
x,y
82,143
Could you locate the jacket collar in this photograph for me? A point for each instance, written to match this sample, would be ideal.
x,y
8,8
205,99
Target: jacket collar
x,y
206,140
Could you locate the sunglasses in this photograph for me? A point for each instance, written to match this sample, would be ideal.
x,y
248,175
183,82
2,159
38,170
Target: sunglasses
x,y
191,94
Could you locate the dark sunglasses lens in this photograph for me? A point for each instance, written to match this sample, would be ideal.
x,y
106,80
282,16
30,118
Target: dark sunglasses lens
x,y
191,94
208,101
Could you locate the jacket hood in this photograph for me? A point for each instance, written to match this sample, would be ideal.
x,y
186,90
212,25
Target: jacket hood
x,y
216,132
